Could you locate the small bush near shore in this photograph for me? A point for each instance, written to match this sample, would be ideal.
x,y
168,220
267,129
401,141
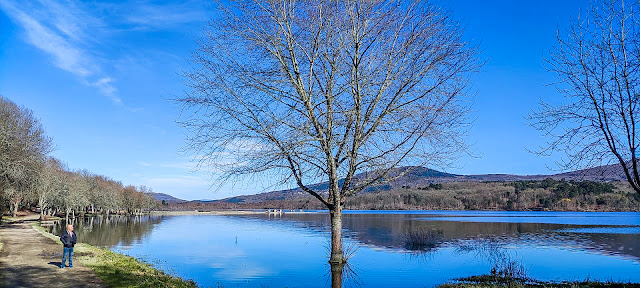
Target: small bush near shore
x,y
118,270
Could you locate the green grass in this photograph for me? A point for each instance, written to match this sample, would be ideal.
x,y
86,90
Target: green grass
x,y
491,281
8,219
119,270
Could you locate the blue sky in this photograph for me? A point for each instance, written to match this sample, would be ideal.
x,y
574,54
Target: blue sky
x,y
99,74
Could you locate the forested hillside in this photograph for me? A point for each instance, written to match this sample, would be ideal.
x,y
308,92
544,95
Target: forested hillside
x,y
547,194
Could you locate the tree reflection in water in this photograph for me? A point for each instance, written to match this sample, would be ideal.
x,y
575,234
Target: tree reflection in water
x,y
109,231
390,231
422,240
427,239
505,263
344,274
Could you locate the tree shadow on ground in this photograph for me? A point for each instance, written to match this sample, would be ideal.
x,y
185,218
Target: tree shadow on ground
x,y
31,276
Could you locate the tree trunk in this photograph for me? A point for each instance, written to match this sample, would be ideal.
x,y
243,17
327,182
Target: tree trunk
x,y
337,255
14,211
43,208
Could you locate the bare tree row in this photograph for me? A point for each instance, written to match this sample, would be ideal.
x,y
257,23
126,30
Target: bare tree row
x,y
29,178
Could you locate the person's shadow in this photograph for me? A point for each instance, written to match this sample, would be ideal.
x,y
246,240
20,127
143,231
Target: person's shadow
x,y
57,264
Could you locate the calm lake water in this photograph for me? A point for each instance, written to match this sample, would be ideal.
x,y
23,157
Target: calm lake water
x,y
387,248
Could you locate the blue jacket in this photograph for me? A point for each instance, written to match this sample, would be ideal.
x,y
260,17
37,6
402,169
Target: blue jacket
x,y
68,241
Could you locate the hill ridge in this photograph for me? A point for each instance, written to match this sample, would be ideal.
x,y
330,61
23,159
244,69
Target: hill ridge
x,y
423,177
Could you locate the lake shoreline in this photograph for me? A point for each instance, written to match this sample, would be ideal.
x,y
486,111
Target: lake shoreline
x,y
119,270
257,232
492,281
229,212
28,259
27,245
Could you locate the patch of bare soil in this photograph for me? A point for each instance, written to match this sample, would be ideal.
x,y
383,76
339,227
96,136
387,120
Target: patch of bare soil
x,y
28,259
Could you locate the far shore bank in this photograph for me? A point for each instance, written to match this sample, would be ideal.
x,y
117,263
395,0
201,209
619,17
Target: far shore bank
x,y
232,212
228,212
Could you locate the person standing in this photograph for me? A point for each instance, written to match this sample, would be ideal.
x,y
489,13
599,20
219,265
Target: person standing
x,y
68,239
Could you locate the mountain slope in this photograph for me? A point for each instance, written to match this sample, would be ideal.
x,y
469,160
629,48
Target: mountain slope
x,y
166,197
417,177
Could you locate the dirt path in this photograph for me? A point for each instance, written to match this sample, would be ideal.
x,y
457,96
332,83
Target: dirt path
x,y
28,259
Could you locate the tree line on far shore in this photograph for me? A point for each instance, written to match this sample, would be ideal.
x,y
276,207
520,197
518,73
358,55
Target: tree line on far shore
x,y
30,178
545,195
548,194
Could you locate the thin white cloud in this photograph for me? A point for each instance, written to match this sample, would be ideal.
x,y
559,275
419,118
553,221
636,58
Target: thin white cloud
x,y
177,181
66,56
77,34
153,16
145,164
187,166
105,85
61,31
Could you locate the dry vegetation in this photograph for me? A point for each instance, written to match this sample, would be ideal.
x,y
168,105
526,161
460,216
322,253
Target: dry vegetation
x,y
521,195
549,194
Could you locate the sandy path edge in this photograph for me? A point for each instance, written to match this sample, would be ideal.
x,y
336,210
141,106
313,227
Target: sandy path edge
x,y
29,259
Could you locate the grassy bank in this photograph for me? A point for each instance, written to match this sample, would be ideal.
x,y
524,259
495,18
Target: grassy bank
x,y
491,281
119,270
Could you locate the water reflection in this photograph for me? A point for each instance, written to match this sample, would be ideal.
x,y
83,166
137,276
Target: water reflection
x,y
343,275
386,249
112,230
505,262
404,231
336,274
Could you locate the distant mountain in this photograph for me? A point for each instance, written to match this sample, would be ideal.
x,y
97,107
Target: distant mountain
x,y
416,177
606,173
166,197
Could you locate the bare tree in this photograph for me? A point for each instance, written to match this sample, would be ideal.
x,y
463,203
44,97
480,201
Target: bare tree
x,y
49,185
311,91
28,175
23,147
597,64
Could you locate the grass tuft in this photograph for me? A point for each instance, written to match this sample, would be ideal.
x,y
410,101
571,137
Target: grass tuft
x,y
492,281
422,239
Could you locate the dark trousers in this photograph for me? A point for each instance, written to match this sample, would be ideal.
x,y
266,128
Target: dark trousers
x,y
65,252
